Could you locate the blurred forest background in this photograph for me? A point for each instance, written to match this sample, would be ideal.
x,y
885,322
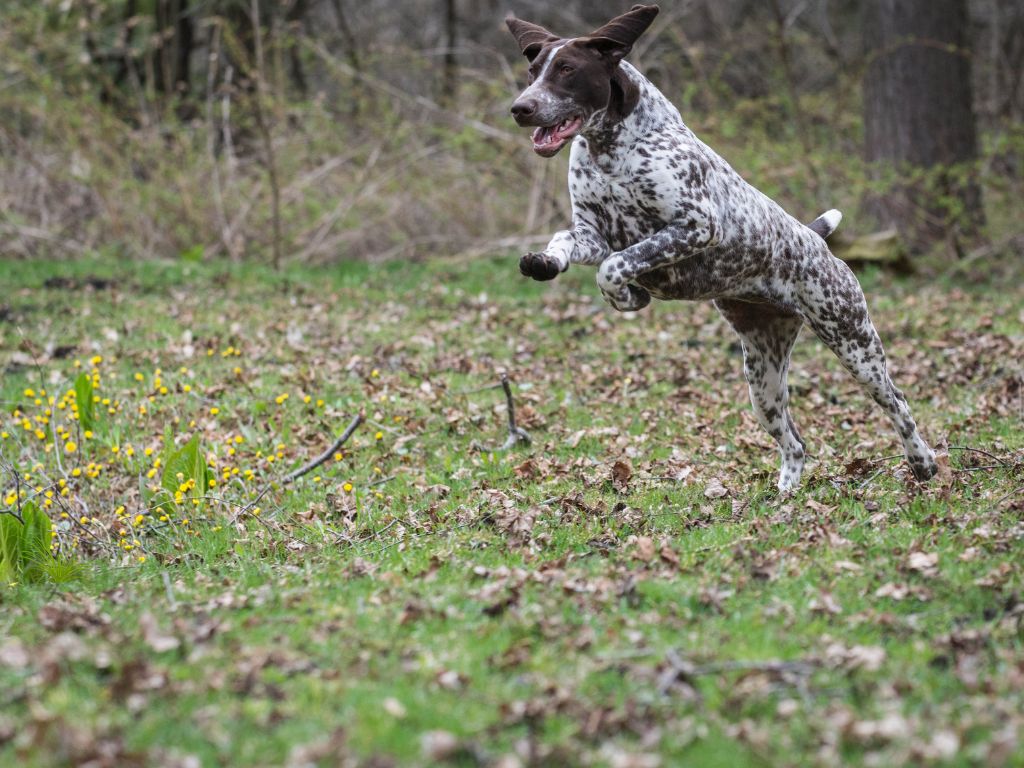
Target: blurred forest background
x,y
322,130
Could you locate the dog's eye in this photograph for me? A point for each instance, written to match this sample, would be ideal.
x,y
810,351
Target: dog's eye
x,y
567,70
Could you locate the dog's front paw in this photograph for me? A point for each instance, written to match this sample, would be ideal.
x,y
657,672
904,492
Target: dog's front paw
x,y
629,298
539,266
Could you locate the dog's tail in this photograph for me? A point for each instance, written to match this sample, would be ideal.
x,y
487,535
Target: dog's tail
x,y
826,224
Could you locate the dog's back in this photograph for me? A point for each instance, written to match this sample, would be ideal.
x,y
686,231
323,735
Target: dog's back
x,y
648,169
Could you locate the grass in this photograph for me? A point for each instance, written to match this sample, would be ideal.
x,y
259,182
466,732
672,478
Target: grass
x,y
421,598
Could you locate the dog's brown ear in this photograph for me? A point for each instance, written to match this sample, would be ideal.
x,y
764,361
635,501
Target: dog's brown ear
x,y
615,39
531,37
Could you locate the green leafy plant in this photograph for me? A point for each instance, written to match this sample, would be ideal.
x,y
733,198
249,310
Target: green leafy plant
x,y
194,254
83,396
185,476
25,554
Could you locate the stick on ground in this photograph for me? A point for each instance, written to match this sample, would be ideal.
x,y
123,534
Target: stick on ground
x,y
307,468
515,434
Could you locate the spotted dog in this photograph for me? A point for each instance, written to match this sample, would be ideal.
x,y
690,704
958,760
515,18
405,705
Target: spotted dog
x,y
662,215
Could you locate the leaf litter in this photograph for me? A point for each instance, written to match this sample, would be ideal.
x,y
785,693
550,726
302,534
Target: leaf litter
x,y
627,591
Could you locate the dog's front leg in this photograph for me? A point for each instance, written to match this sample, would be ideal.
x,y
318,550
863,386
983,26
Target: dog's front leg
x,y
579,245
677,241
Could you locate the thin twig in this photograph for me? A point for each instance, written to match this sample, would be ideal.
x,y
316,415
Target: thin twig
x,y
688,669
768,665
886,458
16,511
870,480
307,468
245,509
516,434
169,589
1005,496
418,99
978,450
477,390
35,233
982,252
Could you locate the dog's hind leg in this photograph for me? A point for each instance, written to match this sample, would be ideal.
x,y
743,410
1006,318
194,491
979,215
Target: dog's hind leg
x,y
835,308
767,334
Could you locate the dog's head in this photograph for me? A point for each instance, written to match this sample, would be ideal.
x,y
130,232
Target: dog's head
x,y
571,79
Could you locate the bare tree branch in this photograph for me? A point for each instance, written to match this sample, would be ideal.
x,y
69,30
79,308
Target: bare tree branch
x,y
307,468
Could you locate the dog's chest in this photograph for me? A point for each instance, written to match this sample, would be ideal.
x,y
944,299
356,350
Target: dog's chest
x,y
627,199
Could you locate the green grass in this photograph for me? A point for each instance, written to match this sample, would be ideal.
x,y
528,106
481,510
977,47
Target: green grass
x,y
520,601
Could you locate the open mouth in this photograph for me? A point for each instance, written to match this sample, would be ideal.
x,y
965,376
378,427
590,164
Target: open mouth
x,y
547,140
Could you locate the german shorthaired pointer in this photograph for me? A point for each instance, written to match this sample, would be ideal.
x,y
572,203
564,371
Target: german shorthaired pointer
x,y
660,214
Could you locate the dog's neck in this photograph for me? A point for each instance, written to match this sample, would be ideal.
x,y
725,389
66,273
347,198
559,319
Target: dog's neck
x,y
629,111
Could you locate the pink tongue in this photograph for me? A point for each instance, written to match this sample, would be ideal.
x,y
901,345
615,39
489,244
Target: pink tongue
x,y
543,135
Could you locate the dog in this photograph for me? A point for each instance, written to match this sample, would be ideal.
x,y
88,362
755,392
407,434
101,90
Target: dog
x,y
662,215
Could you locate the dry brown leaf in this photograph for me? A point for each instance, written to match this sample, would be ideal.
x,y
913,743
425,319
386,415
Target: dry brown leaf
x,y
154,637
944,477
923,562
394,707
868,657
892,727
893,591
714,489
668,555
825,603
997,577
622,473
13,654
439,745
59,616
816,506
644,548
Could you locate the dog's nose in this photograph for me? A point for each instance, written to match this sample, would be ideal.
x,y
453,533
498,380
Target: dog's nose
x,y
524,109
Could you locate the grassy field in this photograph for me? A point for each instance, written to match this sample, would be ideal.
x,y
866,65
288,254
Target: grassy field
x,y
627,591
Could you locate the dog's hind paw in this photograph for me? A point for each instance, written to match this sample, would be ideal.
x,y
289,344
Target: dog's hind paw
x,y
630,298
924,468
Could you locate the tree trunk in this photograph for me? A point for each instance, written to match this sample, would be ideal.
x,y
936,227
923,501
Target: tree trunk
x,y
295,18
919,120
174,42
450,85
